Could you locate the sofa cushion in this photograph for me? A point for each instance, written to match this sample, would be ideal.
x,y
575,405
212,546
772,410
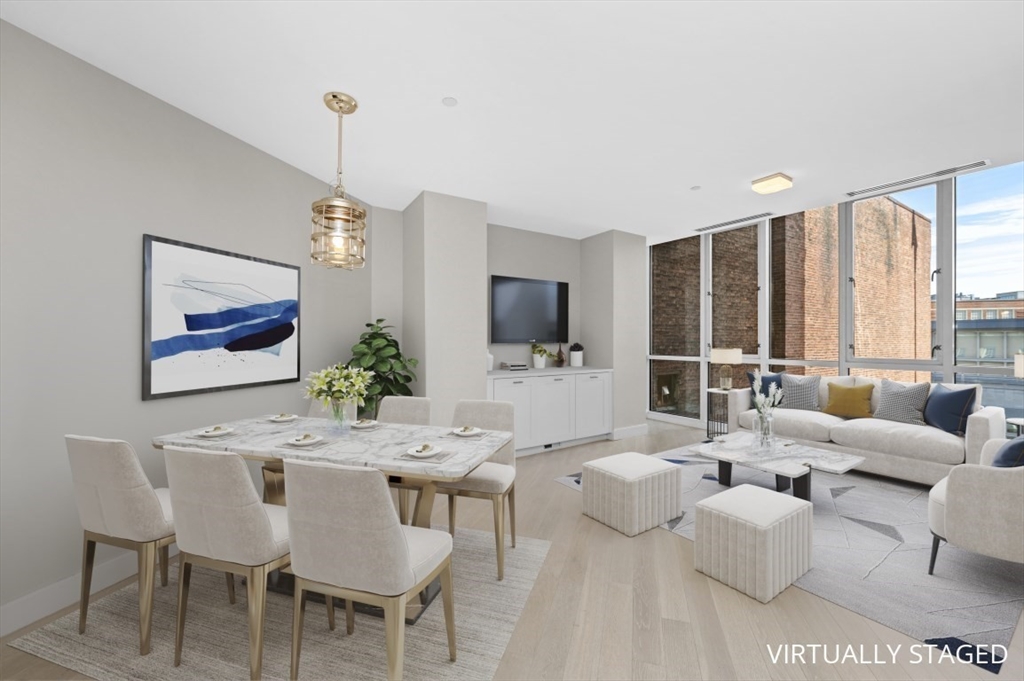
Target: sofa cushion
x,y
902,403
1011,454
851,403
900,439
812,426
948,409
826,384
800,392
766,383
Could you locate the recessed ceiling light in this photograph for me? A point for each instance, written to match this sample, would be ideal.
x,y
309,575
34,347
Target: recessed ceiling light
x,y
695,188
772,183
450,101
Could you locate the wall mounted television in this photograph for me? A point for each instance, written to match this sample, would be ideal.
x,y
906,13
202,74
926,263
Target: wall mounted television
x,y
529,310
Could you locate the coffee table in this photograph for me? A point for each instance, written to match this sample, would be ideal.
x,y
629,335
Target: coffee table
x,y
791,463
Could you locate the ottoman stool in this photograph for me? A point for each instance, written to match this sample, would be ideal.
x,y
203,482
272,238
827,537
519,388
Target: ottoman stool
x,y
631,492
755,540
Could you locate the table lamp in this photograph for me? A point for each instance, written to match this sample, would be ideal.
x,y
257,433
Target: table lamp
x,y
726,357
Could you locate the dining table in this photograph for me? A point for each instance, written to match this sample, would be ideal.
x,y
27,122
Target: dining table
x,y
389,447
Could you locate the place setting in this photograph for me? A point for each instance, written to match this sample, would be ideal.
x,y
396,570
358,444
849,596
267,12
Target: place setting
x,y
466,431
428,453
306,441
216,433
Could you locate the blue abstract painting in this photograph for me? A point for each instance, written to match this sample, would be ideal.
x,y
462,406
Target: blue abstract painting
x,y
216,320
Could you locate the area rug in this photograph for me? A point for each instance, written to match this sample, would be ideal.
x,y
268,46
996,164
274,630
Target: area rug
x,y
871,550
216,644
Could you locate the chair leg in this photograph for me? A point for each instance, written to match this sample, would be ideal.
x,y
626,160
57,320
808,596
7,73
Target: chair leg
x,y
88,557
451,514
184,576
329,600
256,595
394,634
147,572
403,506
350,616
298,613
165,556
935,553
512,512
498,501
231,587
448,596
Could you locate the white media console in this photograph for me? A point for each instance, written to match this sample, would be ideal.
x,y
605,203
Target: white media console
x,y
555,407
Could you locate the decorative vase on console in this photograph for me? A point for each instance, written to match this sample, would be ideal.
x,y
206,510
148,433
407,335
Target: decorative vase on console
x,y
341,389
764,421
559,357
344,412
575,355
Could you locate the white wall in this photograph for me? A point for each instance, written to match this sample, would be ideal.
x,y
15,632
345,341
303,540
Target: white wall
x,y
414,325
596,302
386,263
90,164
532,255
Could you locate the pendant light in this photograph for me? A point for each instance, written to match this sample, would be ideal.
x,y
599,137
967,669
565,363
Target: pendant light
x,y
339,223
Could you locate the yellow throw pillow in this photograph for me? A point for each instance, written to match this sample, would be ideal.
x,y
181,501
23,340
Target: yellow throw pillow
x,y
850,403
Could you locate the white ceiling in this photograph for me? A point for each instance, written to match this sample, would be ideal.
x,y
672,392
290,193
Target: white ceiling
x,y
578,117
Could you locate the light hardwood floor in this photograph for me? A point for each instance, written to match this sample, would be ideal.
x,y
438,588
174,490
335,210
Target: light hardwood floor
x,y
606,606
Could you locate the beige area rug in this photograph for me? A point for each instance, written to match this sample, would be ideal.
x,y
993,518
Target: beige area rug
x,y
216,642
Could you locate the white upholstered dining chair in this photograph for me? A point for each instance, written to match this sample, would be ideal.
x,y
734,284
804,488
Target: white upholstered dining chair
x,y
347,542
117,505
413,411
495,479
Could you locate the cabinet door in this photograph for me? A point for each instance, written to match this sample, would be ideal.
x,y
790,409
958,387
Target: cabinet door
x,y
554,418
518,392
593,405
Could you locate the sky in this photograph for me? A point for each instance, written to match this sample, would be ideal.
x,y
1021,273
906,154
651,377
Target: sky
x,y
989,228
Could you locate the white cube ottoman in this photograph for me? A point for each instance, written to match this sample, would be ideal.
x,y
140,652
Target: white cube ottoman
x,y
755,540
632,492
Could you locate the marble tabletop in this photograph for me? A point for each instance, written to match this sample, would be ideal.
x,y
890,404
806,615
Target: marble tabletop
x,y
788,459
382,446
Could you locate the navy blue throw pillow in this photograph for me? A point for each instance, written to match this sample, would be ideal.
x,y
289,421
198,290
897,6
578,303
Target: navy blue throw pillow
x,y
1011,454
948,409
766,383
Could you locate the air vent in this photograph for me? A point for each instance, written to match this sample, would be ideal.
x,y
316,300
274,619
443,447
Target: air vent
x,y
919,178
722,225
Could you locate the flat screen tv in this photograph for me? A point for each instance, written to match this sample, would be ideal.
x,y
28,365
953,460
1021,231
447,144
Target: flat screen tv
x,y
529,310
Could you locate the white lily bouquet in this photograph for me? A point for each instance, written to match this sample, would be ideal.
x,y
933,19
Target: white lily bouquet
x,y
338,385
765,404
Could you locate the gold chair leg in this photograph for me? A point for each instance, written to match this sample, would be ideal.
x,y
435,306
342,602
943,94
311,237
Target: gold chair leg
x,y
512,512
184,576
165,556
394,634
231,587
329,600
88,557
448,596
403,506
451,514
498,501
256,593
350,616
147,572
298,613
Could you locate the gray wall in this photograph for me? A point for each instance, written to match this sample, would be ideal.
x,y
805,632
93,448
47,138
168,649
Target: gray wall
x,y
414,327
89,165
532,255
386,260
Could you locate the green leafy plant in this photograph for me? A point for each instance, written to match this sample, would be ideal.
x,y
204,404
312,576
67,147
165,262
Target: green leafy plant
x,y
377,350
538,349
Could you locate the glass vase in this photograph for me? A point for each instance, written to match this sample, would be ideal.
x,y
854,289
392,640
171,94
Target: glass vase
x,y
764,433
344,413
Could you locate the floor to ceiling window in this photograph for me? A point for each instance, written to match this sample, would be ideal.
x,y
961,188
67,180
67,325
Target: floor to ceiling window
x,y
675,328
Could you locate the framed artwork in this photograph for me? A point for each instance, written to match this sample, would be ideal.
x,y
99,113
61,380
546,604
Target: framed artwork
x,y
214,320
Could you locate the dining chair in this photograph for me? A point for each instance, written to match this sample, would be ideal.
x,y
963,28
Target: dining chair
x,y
347,543
413,411
273,471
117,505
494,479
223,525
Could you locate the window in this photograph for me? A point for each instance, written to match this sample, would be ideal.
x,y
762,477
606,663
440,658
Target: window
x,y
1003,314
904,376
999,391
975,314
675,388
734,289
960,314
675,298
990,314
805,285
893,259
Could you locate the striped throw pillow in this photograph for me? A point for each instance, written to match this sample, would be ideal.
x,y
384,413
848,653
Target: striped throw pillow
x,y
800,392
902,403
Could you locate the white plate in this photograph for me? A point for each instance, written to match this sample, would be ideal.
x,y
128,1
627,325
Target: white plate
x,y
216,433
467,433
300,442
420,453
283,418
363,423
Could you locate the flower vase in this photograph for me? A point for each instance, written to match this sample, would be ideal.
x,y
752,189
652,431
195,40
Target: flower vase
x,y
764,433
344,413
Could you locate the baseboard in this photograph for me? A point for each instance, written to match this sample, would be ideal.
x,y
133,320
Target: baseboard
x,y
638,430
33,607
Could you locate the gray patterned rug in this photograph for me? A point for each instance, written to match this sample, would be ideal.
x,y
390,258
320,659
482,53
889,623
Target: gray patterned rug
x,y
216,642
871,550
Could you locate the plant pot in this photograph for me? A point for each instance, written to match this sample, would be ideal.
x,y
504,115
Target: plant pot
x,y
576,358
539,361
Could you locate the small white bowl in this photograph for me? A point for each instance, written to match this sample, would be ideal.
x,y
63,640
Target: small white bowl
x,y
219,432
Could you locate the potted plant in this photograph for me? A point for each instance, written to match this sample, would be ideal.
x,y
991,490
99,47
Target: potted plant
x,y
576,355
378,351
540,354
341,389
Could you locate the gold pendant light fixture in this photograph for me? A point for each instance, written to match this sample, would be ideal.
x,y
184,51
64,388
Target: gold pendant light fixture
x,y
339,223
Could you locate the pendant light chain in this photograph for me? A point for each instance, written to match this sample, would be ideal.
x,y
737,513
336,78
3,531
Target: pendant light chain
x,y
339,187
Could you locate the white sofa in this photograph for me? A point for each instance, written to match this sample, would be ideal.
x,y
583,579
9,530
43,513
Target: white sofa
x,y
898,450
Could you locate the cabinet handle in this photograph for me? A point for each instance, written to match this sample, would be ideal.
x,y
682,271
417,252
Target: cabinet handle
x,y
516,382
559,379
593,376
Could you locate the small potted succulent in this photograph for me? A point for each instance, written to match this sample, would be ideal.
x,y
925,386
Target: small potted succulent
x,y
540,355
576,355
